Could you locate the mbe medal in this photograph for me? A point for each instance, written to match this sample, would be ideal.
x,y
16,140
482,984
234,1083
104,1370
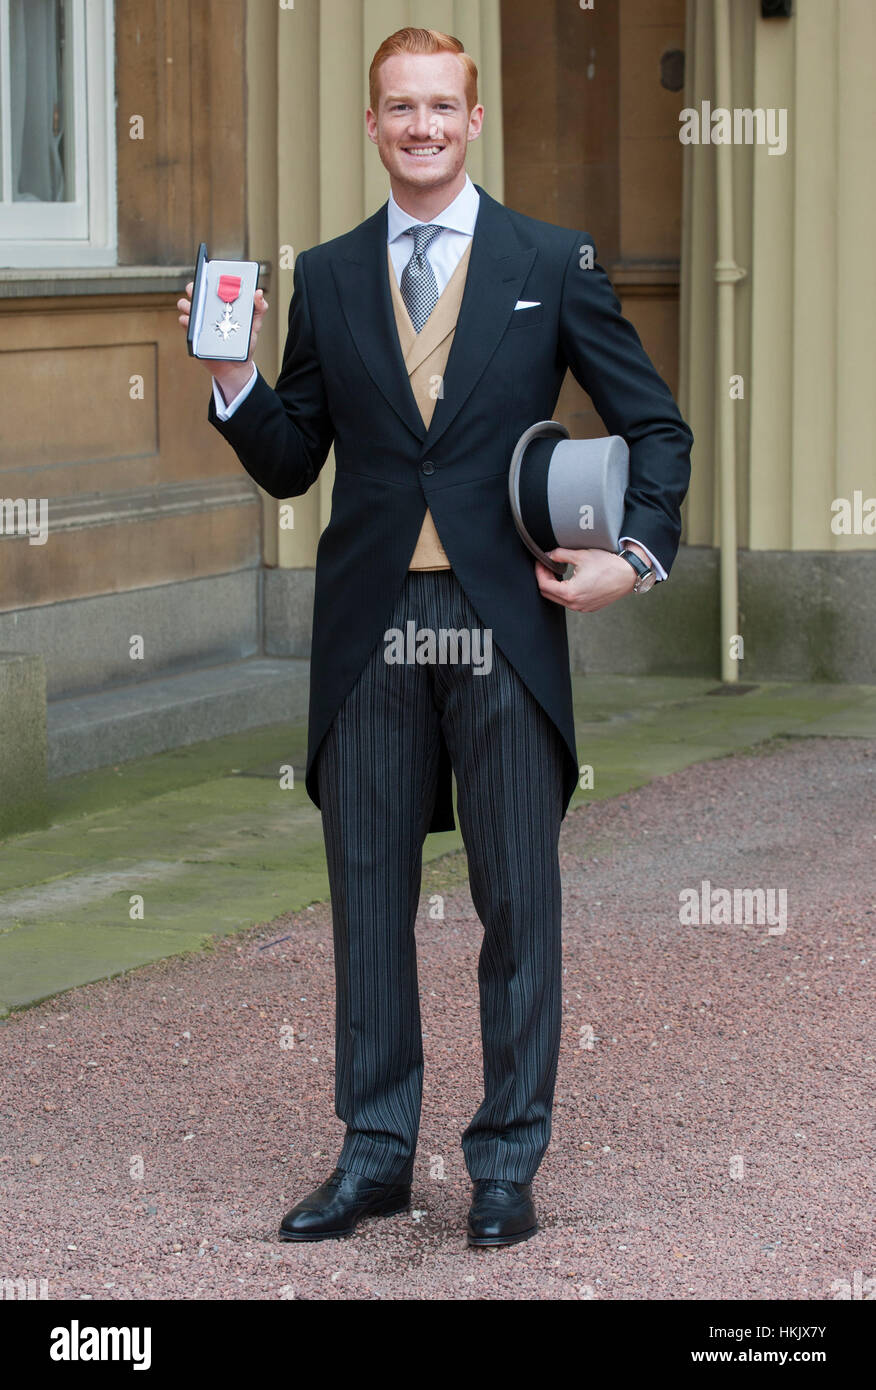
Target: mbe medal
x,y
223,308
227,290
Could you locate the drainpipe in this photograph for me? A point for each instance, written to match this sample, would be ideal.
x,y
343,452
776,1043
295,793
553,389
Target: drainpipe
x,y
727,274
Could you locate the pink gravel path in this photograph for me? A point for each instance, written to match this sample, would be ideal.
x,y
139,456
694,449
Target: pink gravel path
x,y
713,1140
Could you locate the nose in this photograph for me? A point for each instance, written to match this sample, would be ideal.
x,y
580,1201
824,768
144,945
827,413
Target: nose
x,y
421,127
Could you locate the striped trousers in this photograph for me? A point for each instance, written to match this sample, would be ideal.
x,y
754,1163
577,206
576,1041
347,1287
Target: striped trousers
x,y
377,772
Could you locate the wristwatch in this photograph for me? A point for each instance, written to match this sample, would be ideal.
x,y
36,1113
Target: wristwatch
x,y
647,577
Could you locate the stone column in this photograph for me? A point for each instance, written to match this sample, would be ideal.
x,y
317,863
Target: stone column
x,y
313,172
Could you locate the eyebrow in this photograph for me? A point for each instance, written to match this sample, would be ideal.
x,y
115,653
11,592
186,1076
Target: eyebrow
x,y
402,97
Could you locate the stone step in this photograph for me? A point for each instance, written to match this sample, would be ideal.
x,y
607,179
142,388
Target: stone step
x,y
135,721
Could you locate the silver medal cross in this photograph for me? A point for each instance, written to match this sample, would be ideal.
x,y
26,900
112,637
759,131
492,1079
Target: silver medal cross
x,y
226,325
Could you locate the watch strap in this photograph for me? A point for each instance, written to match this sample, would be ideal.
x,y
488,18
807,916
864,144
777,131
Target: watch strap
x,y
637,563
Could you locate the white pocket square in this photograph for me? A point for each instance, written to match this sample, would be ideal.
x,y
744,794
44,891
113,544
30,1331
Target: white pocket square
x,y
527,304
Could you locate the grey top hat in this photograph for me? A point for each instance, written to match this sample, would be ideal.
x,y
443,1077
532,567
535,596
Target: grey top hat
x,y
567,492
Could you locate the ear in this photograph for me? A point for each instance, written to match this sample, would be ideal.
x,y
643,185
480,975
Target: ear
x,y
475,122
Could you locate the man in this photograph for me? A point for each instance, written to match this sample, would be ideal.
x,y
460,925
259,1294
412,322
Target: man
x,y
423,343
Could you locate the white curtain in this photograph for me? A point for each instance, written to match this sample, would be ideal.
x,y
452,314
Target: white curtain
x,y
36,89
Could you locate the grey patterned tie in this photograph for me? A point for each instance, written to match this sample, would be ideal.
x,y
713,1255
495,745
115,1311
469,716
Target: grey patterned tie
x,y
419,288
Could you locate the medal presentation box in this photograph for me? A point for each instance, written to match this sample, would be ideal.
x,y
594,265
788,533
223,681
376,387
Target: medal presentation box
x,y
220,321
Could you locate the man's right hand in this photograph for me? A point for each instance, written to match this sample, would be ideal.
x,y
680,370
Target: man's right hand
x,y
231,376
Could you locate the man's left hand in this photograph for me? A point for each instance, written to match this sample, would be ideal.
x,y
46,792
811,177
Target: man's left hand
x,y
599,578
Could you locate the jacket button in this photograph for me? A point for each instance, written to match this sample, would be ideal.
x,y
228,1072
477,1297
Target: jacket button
x,y
428,466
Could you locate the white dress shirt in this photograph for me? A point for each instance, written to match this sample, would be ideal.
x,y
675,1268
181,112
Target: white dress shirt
x,y
457,222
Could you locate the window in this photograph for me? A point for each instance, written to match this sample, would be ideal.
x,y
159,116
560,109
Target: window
x,y
57,145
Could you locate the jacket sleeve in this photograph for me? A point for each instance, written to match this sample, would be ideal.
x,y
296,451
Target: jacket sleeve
x,y
605,355
282,435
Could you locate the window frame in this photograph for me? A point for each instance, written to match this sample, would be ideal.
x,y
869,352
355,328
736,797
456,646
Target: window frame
x,y
82,232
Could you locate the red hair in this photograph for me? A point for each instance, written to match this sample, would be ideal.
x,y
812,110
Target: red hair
x,y
423,41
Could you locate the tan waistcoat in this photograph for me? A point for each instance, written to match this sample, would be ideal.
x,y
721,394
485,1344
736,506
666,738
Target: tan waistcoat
x,y
425,355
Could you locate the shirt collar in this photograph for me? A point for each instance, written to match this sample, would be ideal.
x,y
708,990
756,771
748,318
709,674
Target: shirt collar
x,y
459,216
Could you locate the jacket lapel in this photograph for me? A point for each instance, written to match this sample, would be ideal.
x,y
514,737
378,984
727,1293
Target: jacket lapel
x,y
363,286
497,271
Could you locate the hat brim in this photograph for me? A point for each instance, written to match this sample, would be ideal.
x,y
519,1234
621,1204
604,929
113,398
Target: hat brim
x,y
541,430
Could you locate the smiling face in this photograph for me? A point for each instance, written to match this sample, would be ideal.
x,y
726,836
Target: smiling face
x,y
422,127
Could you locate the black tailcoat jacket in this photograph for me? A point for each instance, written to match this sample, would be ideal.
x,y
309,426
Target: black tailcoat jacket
x,y
343,380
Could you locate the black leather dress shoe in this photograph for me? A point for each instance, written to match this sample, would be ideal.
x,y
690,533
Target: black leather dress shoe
x,y
334,1208
501,1213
